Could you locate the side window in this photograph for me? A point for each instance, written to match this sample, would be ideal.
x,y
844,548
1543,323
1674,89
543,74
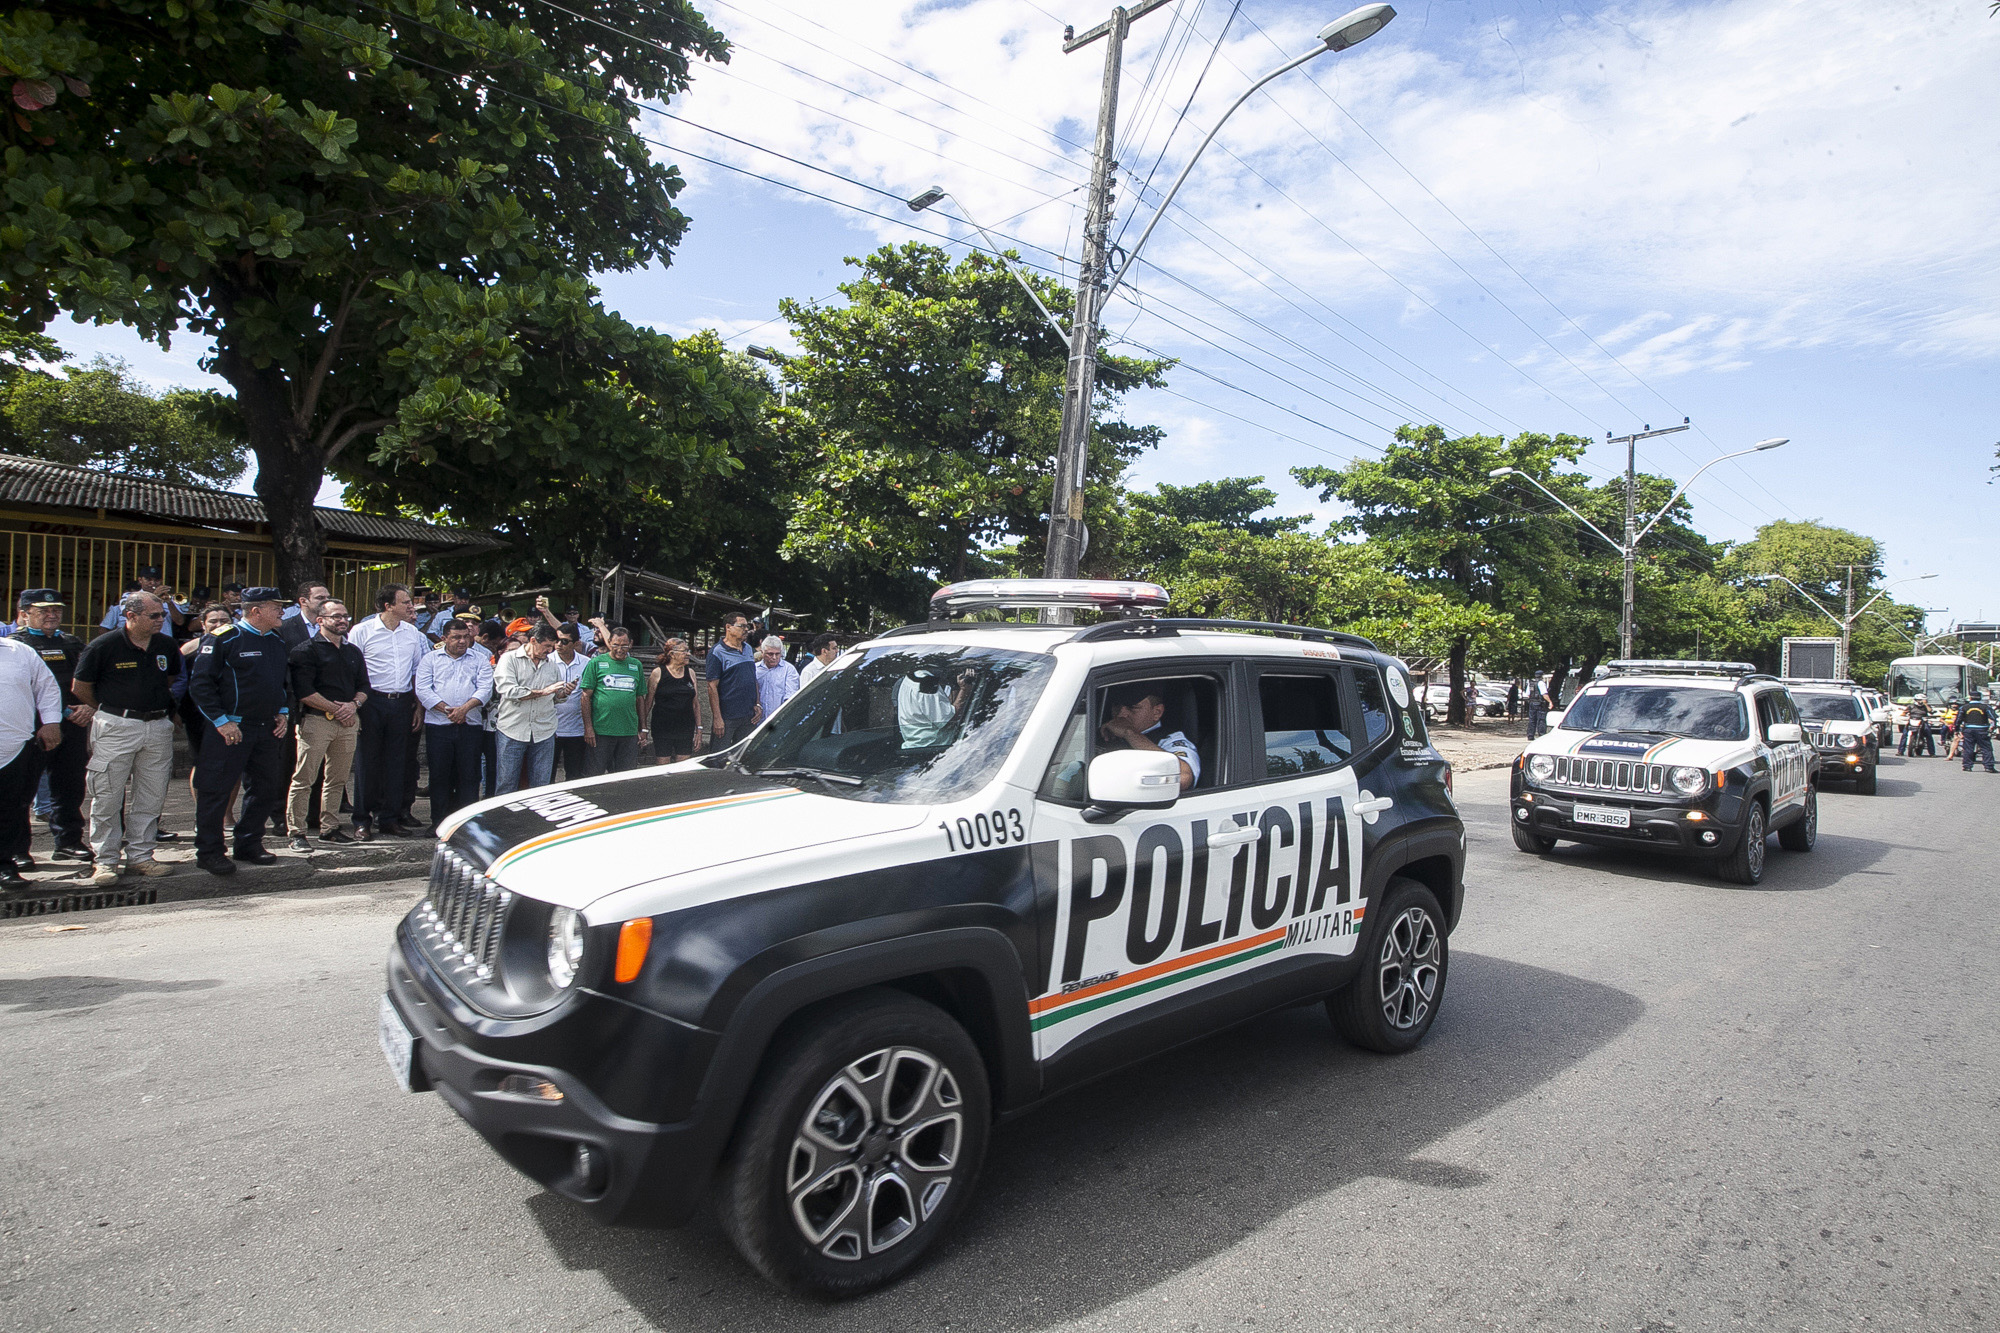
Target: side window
x,y
1767,713
1376,716
1181,715
1302,725
1064,779
1788,709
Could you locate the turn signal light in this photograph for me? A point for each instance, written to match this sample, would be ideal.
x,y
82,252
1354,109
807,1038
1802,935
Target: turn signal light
x,y
634,938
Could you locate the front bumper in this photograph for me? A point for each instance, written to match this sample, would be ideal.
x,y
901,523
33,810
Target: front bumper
x,y
1837,762
633,1170
1656,825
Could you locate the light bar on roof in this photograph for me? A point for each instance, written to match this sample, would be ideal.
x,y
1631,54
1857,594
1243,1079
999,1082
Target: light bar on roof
x,y
1669,666
957,599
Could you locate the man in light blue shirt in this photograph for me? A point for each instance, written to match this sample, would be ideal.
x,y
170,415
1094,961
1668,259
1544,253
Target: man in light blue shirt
x,y
777,679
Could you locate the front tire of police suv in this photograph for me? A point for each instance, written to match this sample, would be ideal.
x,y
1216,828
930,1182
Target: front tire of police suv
x,y
1745,865
1392,1000
1528,840
859,1144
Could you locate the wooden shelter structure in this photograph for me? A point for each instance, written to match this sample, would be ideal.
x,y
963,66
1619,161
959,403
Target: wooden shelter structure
x,y
87,533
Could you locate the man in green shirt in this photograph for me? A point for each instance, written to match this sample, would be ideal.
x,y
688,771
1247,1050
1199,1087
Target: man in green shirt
x,y
613,685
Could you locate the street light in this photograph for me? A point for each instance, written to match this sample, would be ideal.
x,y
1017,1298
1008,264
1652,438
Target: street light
x,y
1628,548
937,194
1846,622
1066,535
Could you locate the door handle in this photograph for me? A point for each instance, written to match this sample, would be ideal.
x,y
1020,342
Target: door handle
x,y
1372,805
1233,835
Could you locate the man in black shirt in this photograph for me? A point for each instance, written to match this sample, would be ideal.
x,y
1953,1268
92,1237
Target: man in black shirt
x,y
41,629
329,679
242,685
1975,732
128,676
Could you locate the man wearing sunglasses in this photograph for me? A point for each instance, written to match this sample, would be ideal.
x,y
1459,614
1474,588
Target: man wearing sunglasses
x,y
127,676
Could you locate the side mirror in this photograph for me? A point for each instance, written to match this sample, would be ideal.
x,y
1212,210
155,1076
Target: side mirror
x,y
1132,780
1786,733
1879,715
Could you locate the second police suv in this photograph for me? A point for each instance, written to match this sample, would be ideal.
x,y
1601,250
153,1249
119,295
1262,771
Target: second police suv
x,y
970,865
1700,759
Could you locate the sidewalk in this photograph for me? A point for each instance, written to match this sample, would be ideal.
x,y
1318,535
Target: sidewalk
x,y
64,886
1490,742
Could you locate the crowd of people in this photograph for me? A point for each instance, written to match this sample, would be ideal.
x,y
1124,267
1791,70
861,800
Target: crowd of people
x,y
298,712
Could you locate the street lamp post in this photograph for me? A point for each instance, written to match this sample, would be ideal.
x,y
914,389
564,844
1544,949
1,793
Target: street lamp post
x,y
937,194
1627,548
1066,532
1845,622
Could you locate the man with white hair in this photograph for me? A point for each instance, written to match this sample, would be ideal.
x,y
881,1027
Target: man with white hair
x,y
127,675
777,679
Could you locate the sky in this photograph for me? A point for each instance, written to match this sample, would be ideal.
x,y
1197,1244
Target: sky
x,y
1774,219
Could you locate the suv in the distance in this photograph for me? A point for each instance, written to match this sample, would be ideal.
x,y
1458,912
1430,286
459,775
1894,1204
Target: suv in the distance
x,y
968,866
1839,719
1702,759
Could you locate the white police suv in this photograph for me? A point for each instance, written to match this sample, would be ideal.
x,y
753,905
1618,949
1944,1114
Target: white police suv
x,y
1702,759
968,866
1840,722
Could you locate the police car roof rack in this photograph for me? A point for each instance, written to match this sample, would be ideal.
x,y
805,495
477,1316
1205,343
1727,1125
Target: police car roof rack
x,y
1815,680
1149,626
1676,666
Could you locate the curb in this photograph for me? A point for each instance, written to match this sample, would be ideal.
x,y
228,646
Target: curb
x,y
55,894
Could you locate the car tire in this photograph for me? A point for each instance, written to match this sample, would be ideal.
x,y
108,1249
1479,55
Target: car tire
x,y
1864,780
1745,865
1803,832
1528,840
1390,1003
859,1144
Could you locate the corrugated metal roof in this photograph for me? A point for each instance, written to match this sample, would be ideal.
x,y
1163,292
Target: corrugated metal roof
x,y
36,481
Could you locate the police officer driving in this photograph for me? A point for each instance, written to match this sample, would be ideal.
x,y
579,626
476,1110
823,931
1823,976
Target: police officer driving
x,y
241,683
1133,715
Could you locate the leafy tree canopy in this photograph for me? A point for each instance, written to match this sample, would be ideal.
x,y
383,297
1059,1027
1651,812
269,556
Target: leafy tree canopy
x,y
384,214
101,416
929,409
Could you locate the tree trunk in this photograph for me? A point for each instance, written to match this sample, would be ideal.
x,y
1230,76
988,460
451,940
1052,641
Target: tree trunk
x,y
1556,678
1586,669
290,468
1455,712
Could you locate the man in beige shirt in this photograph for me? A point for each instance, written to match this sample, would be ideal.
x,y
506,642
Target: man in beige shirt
x,y
527,686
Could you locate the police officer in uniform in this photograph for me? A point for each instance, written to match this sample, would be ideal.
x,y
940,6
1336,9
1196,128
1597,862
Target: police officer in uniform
x,y
1975,733
241,683
41,629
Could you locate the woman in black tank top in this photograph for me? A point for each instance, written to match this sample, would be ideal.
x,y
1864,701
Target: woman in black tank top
x,y
675,715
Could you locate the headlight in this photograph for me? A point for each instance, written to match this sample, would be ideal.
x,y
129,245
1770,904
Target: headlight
x,y
1853,742
1689,781
1541,767
565,946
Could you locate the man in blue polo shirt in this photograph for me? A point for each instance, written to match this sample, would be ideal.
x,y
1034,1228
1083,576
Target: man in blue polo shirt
x,y
731,673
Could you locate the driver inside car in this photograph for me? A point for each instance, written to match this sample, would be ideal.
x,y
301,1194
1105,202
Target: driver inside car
x,y
1133,715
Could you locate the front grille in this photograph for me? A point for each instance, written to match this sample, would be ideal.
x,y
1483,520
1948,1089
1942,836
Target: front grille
x,y
462,918
1621,775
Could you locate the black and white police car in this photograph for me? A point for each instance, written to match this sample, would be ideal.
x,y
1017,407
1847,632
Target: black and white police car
x,y
1703,759
1839,720
970,865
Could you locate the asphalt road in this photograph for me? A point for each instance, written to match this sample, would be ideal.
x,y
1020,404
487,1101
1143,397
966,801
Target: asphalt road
x,y
1651,1101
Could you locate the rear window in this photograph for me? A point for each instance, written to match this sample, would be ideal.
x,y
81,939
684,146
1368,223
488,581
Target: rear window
x,y
1303,728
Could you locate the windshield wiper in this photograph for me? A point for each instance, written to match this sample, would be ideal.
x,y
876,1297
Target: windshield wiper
x,y
839,779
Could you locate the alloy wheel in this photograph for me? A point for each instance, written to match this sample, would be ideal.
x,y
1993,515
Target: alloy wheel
x,y
875,1153
1407,975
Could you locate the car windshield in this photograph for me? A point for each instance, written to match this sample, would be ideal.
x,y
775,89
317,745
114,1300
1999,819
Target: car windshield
x,y
903,723
1829,707
1665,710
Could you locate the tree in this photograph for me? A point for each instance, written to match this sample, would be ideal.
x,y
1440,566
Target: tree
x,y
386,224
931,406
1428,504
1161,527
101,416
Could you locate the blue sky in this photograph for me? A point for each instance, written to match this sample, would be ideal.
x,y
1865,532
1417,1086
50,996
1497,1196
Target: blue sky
x,y
1775,218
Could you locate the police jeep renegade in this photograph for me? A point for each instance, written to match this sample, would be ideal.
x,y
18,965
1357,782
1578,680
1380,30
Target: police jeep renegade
x,y
1703,759
969,866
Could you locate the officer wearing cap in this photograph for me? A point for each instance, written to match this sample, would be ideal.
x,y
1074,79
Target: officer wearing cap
x,y
41,629
241,683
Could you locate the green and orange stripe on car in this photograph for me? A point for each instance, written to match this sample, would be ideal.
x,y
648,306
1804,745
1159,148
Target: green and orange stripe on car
x,y
634,819
1051,1009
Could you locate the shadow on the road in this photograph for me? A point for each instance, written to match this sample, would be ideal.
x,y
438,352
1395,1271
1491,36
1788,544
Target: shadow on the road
x,y
41,995
1118,1186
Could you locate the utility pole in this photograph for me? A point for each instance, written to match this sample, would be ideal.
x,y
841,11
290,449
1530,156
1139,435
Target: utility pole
x,y
1631,545
1067,535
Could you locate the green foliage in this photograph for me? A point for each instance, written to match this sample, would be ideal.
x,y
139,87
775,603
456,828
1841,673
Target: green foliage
x,y
100,416
928,410
385,217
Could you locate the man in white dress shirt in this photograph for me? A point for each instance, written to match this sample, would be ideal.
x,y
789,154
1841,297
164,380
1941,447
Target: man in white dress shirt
x,y
31,710
392,646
